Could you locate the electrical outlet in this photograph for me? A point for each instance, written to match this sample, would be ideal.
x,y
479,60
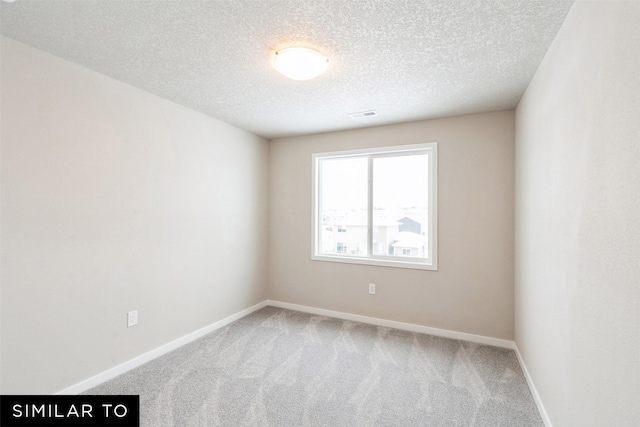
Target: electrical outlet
x,y
372,288
132,318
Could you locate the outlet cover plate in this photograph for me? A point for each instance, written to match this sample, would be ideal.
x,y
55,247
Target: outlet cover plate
x,y
132,318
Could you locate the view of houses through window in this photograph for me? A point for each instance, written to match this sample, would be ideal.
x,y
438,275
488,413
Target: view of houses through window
x,y
396,219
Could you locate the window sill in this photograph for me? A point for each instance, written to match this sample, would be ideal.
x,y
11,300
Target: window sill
x,y
377,262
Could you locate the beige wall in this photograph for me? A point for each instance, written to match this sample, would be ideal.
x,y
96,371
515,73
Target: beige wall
x,y
471,292
114,200
578,219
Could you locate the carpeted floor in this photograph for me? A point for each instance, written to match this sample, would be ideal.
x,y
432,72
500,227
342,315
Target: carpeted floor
x,y
279,367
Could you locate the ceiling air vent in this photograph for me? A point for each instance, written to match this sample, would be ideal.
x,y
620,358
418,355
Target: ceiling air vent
x,y
362,114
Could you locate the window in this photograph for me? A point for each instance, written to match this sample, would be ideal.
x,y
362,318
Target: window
x,y
376,206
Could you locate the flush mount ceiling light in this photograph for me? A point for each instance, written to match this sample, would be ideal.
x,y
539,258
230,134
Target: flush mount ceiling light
x,y
300,63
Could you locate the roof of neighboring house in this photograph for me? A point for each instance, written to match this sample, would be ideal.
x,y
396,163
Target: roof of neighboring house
x,y
416,218
361,220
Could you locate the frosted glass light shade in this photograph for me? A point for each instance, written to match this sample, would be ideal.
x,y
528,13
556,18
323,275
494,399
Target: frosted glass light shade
x,y
300,63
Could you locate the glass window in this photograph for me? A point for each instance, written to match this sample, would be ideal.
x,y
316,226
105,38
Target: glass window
x,y
377,206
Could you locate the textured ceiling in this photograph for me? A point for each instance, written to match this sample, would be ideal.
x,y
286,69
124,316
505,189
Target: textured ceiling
x,y
408,60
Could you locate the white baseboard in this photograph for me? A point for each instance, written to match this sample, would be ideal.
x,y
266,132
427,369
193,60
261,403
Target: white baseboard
x,y
534,391
146,357
480,339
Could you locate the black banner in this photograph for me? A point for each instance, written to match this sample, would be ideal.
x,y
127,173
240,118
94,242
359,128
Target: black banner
x,y
68,411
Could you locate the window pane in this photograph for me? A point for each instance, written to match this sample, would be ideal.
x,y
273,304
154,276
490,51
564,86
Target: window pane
x,y
377,206
400,206
343,206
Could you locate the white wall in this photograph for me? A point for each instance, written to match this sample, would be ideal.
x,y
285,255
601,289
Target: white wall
x,y
578,219
471,292
113,200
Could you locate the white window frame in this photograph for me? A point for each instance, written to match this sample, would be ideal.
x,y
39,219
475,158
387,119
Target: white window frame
x,y
431,149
